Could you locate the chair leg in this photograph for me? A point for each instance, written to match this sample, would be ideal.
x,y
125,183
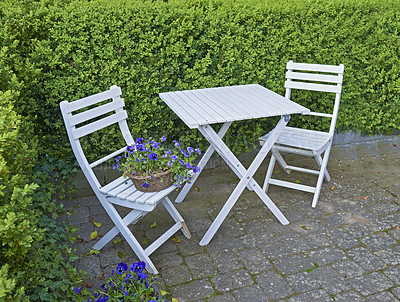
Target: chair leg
x,y
318,158
133,217
321,177
129,237
176,216
269,173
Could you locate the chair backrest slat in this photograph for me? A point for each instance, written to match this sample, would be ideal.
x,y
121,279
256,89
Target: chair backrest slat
x,y
313,86
107,157
93,99
315,67
96,112
99,124
314,77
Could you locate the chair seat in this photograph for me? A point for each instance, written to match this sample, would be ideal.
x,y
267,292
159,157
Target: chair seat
x,y
122,191
301,138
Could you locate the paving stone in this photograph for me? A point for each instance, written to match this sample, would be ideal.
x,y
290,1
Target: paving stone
x,y
190,246
358,230
381,297
310,226
274,285
201,266
316,295
393,273
318,240
302,282
352,206
293,264
327,255
250,293
295,243
385,207
166,260
396,292
336,219
176,275
378,241
109,255
348,269
192,291
91,264
366,259
371,283
227,262
343,238
391,256
227,297
349,296
254,260
330,280
275,250
395,233
232,280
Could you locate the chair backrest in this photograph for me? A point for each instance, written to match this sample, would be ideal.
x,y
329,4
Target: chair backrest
x,y
316,77
94,113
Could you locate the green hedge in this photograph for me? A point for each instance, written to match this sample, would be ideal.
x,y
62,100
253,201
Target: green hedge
x,y
146,47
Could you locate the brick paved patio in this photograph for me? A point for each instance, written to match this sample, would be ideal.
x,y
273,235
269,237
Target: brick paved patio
x,y
346,249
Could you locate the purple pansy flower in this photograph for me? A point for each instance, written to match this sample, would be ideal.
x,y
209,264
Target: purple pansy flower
x,y
122,267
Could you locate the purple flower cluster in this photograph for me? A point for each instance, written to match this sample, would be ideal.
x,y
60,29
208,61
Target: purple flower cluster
x,y
130,283
145,156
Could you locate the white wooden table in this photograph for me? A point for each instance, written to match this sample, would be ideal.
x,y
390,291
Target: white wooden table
x,y
202,107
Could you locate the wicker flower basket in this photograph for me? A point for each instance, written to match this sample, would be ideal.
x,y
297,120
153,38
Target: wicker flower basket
x,y
157,182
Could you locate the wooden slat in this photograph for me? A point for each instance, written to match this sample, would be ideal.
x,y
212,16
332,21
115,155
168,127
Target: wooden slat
x,y
231,113
212,113
99,124
184,115
238,98
115,183
327,78
95,112
291,185
204,113
280,105
122,187
312,86
315,67
93,99
105,158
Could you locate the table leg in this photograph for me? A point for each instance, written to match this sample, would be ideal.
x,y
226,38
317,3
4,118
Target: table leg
x,y
204,160
247,178
238,170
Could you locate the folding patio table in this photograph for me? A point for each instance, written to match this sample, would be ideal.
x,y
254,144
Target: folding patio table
x,y
201,108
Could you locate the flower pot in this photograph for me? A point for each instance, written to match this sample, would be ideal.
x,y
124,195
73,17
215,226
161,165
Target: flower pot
x,y
156,182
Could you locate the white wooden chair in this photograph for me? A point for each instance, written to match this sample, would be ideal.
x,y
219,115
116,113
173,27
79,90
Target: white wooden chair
x,y
121,191
314,77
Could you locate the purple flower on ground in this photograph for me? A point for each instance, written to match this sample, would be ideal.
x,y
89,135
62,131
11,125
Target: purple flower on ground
x,y
176,143
174,158
130,149
163,139
138,267
122,267
139,141
169,164
188,165
196,169
168,152
198,151
142,276
190,150
140,147
78,289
